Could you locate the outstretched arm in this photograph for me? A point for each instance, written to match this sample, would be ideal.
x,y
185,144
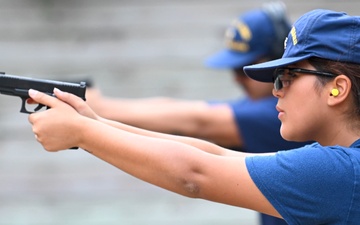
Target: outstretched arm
x,y
194,118
176,166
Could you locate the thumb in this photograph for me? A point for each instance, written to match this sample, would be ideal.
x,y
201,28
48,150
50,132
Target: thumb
x,y
70,99
42,98
74,101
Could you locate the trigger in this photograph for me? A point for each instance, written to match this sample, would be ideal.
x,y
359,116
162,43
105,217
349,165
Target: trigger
x,y
38,107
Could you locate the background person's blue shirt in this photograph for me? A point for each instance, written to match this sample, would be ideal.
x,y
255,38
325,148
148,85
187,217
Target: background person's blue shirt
x,y
259,125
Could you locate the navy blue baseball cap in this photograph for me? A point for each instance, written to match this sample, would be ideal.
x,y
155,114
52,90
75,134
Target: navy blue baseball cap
x,y
319,33
253,35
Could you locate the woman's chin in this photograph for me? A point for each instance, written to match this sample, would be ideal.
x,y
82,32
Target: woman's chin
x,y
287,135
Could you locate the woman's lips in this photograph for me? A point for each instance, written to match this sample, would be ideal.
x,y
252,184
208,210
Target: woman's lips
x,y
281,112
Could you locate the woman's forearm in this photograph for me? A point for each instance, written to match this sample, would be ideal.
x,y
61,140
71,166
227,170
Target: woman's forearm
x,y
162,162
201,144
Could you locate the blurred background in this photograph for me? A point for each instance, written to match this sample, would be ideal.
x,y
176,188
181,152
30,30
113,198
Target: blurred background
x,y
128,48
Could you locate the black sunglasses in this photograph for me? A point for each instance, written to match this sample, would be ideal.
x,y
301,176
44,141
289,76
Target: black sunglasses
x,y
280,82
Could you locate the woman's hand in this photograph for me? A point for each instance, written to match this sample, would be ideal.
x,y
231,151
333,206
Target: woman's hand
x,y
60,126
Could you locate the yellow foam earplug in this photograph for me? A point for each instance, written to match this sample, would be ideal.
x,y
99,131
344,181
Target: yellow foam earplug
x,y
334,92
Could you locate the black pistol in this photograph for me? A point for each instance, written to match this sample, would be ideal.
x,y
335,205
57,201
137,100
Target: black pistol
x,y
19,86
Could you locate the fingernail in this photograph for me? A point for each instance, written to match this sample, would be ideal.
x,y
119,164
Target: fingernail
x,y
57,91
32,92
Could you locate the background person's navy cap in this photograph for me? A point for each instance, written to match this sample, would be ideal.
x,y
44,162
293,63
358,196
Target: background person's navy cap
x,y
255,34
319,33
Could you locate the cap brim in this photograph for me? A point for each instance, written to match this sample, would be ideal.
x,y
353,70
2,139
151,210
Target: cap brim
x,y
228,59
264,71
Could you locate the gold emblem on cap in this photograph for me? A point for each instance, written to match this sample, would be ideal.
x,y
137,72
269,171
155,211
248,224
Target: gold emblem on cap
x,y
245,34
285,41
244,30
293,35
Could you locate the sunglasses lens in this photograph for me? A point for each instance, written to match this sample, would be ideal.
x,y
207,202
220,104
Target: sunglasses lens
x,y
277,84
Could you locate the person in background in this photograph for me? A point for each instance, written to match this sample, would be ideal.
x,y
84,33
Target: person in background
x,y
317,84
248,123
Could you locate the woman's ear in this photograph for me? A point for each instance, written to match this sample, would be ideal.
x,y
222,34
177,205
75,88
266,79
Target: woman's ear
x,y
339,89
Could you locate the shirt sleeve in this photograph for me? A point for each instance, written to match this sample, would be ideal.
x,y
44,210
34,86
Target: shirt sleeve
x,y
309,185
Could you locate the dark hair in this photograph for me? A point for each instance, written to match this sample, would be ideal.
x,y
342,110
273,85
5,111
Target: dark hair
x,y
351,70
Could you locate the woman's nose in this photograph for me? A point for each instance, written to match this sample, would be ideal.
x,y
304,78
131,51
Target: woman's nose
x,y
278,93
